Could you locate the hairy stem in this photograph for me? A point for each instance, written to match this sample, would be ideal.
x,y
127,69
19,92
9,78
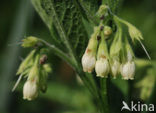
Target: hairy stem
x,y
104,94
66,58
59,53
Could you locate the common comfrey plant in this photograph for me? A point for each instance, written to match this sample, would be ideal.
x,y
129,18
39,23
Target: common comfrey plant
x,y
107,53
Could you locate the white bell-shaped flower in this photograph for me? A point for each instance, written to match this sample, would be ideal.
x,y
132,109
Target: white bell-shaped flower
x,y
30,90
88,62
102,67
128,70
89,57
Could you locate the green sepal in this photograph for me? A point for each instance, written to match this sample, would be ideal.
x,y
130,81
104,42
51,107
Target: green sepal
x,y
93,42
116,45
102,50
45,69
128,49
34,71
28,61
30,41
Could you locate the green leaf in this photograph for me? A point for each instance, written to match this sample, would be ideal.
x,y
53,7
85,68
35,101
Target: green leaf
x,y
89,9
65,17
113,4
91,5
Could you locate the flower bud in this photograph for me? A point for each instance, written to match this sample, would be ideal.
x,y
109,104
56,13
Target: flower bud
x,y
107,31
103,11
102,67
128,70
115,68
134,32
30,41
30,90
47,68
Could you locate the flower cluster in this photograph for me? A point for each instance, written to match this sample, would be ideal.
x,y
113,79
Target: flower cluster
x,y
96,54
35,69
115,56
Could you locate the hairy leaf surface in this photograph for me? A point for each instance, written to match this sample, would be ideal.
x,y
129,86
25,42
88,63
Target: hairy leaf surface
x,y
64,20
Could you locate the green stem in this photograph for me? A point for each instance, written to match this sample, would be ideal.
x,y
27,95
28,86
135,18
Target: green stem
x,y
104,95
88,83
96,92
59,53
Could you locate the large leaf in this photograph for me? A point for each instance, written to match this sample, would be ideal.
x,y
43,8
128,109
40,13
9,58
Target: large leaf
x,y
63,17
91,5
113,4
89,9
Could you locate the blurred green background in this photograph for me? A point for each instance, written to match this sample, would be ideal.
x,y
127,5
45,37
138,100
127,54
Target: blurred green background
x,y
65,93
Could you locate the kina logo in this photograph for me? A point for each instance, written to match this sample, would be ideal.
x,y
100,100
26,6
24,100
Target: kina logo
x,y
137,106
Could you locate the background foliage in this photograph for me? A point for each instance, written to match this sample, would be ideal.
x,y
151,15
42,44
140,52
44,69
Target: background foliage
x,y
65,94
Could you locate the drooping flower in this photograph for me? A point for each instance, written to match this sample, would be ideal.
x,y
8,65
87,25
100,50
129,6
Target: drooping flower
x,y
128,70
107,31
89,57
88,62
102,67
30,90
115,53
